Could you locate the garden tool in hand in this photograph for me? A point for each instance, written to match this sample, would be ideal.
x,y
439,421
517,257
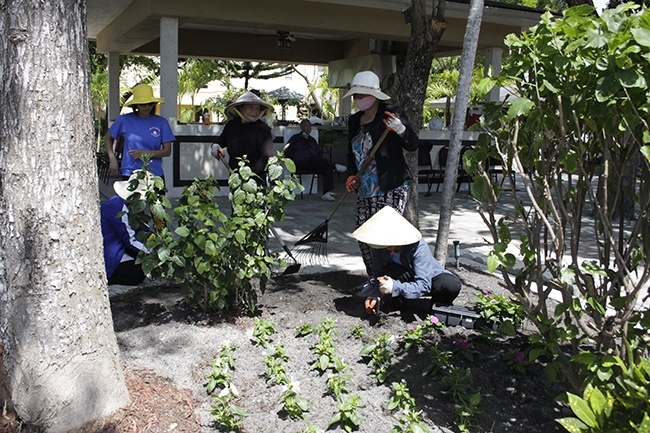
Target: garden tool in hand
x,y
314,244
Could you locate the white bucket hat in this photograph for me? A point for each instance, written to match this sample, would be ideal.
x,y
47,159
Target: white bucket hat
x,y
387,228
366,83
122,189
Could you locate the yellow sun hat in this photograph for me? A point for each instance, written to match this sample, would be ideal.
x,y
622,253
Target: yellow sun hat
x,y
142,94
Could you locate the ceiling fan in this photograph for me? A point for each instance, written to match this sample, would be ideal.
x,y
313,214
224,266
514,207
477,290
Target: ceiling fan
x,y
284,39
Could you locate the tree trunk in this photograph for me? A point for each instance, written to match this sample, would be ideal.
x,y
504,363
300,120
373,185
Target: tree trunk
x,y
456,134
60,366
411,84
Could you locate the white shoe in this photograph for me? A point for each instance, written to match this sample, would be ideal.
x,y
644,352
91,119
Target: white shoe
x,y
328,197
340,168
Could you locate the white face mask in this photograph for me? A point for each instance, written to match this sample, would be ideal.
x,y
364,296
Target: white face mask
x,y
365,103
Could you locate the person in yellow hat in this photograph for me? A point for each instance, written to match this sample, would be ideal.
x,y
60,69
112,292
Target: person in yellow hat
x,y
383,182
402,264
142,132
246,134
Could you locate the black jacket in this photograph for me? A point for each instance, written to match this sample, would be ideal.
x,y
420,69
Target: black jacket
x,y
391,166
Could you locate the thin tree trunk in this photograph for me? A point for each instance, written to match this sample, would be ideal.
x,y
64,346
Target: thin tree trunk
x,y
456,136
410,86
60,366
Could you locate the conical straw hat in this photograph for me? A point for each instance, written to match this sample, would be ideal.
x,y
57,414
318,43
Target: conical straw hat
x,y
248,98
387,228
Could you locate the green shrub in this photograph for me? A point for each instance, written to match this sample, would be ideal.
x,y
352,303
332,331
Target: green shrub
x,y
222,260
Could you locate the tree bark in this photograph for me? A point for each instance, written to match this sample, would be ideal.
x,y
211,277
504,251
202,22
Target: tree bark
x,y
60,366
411,84
456,134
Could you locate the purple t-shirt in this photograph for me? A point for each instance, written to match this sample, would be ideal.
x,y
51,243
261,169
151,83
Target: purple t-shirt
x,y
147,133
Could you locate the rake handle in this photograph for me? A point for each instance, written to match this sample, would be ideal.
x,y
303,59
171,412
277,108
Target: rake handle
x,y
366,163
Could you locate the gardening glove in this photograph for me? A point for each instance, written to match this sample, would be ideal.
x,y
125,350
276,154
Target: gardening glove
x,y
216,151
393,123
372,306
351,184
385,285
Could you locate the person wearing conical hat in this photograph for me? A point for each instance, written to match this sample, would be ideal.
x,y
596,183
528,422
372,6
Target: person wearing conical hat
x,y
384,181
402,263
246,135
141,132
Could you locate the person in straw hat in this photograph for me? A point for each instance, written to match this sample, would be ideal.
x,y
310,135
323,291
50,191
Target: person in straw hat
x,y
121,247
246,134
383,182
402,263
142,132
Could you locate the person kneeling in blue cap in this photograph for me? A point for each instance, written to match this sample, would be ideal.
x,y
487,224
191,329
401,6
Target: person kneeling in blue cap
x,y
402,263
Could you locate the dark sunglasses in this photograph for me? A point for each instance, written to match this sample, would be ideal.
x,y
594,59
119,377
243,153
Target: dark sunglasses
x,y
150,104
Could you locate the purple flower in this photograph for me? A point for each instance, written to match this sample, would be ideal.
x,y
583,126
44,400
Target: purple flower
x,y
434,319
519,356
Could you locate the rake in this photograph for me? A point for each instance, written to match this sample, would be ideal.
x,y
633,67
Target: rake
x,y
292,268
313,246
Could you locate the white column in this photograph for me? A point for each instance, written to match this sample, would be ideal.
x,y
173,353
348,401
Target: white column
x,y
493,59
113,87
169,89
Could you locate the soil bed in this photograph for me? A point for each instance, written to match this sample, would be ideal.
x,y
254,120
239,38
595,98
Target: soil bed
x,y
167,349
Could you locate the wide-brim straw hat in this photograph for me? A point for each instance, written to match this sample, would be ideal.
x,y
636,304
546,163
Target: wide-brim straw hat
x,y
387,228
248,98
366,83
142,94
121,187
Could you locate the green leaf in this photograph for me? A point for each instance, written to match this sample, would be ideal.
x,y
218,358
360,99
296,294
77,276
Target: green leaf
x,y
597,401
641,36
182,231
492,262
593,303
520,107
573,425
582,410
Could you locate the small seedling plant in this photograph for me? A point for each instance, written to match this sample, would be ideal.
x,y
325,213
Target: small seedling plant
x,y
294,405
381,355
459,383
263,331
407,415
499,310
346,415
228,416
422,334
276,370
439,361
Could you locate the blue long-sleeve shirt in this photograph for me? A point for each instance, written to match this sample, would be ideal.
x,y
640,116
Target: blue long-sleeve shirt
x,y
420,265
119,237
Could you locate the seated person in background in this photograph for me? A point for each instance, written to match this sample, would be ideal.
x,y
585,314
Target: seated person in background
x,y
306,153
120,244
402,263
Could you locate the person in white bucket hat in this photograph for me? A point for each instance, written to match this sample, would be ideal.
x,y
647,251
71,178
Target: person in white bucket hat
x,y
403,266
246,134
121,247
384,181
